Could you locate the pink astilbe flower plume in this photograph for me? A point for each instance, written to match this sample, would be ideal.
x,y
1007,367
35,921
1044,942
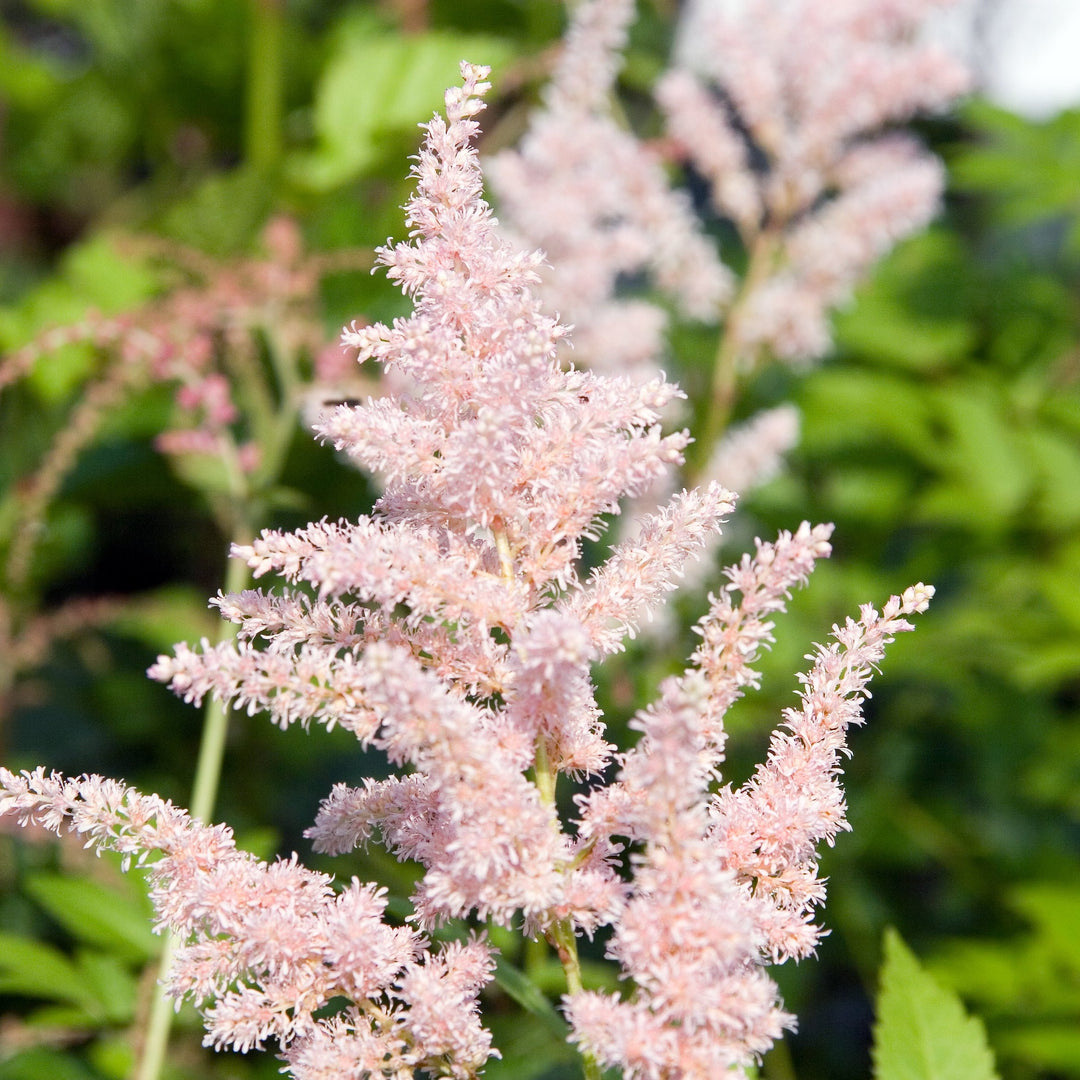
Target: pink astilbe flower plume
x,y
269,944
453,630
583,188
780,104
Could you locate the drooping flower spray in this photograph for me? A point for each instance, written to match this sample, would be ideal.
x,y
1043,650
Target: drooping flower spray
x,y
454,630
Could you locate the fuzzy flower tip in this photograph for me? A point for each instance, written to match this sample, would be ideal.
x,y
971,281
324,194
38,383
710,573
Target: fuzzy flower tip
x,y
453,630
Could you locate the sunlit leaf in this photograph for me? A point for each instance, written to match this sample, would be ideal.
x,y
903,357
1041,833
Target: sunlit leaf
x,y
922,1031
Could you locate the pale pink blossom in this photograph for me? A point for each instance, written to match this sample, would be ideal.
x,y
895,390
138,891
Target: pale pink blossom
x,y
726,882
591,195
779,104
752,453
451,630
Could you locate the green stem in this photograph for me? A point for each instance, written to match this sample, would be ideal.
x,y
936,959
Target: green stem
x,y
203,797
725,377
563,940
152,1058
265,84
216,716
545,775
561,935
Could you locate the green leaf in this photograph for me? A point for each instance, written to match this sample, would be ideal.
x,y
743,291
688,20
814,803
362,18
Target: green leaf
x,y
379,84
528,1050
113,1056
846,406
1054,910
205,473
1056,459
528,996
1053,1047
1029,169
94,276
224,213
113,983
167,615
39,1062
987,476
922,1031
915,313
33,969
96,915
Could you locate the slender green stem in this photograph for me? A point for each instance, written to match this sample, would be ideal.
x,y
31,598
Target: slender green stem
x,y
561,934
152,1058
203,797
545,775
563,940
265,84
729,354
216,717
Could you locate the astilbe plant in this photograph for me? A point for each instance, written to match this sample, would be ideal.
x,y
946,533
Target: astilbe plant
x,y
788,110
242,346
450,629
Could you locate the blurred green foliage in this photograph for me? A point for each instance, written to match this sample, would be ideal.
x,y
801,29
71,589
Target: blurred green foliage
x,y
943,438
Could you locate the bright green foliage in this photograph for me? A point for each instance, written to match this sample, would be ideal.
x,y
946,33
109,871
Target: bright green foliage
x,y
1029,170
376,88
97,915
922,1031
1027,987
96,985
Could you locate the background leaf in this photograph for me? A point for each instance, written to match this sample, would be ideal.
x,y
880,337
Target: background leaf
x,y
922,1031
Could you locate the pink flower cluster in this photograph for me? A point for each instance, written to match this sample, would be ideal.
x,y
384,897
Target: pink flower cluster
x,y
597,201
779,104
265,945
452,629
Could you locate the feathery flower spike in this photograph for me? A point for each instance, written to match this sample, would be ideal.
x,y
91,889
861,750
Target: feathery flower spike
x,y
450,629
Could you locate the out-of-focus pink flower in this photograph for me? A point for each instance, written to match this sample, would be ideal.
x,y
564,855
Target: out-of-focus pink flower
x,y
596,200
779,104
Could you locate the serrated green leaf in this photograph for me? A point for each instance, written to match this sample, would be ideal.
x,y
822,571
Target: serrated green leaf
x,y
922,1031
96,915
